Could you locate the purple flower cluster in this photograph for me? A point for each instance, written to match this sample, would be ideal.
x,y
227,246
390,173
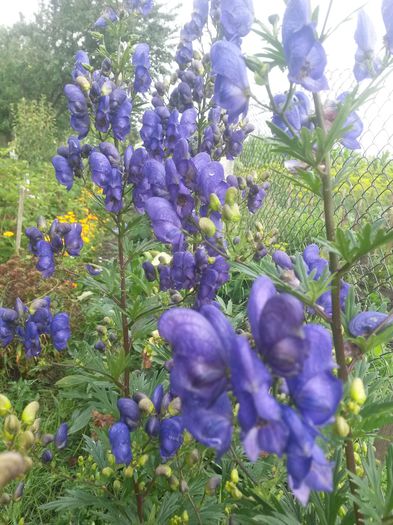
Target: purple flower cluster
x,y
294,357
61,237
110,104
28,324
169,430
109,15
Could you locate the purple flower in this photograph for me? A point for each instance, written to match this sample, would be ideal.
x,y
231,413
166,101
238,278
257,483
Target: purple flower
x,y
108,15
41,315
231,87
297,113
304,54
367,65
157,397
171,436
77,106
355,125
365,323
151,131
61,436
31,339
183,270
387,15
60,330
152,426
259,413
7,325
276,324
143,6
46,260
35,236
141,62
119,437
165,222
73,239
101,168
129,412
63,170
256,196
120,113
237,17
150,271
315,378
93,270
282,260
46,456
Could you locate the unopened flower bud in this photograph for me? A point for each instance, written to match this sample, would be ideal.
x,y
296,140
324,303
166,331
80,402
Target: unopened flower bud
x,y
212,485
354,407
117,485
236,241
176,297
231,213
29,413
129,472
35,427
26,440
19,491
341,427
146,405
5,499
183,486
143,460
357,391
46,439
214,202
12,425
234,475
46,456
193,457
107,472
207,226
83,83
174,483
230,196
174,407
164,470
5,405
12,465
101,329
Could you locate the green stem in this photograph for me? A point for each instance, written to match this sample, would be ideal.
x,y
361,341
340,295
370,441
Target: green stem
x,y
123,304
338,339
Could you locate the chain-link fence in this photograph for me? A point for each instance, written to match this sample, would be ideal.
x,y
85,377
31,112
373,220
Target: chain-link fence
x,y
364,192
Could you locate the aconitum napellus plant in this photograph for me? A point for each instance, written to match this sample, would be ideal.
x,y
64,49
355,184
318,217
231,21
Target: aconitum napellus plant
x,y
269,377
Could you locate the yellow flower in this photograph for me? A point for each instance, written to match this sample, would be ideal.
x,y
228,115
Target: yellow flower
x,y
8,234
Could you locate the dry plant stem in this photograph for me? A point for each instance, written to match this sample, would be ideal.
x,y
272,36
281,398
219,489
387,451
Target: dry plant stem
x,y
338,338
123,304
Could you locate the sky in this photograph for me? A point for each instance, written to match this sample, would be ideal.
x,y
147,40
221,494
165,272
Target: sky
x,y
340,48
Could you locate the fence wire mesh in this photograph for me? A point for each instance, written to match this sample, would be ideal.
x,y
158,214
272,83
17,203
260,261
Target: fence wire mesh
x,y
364,193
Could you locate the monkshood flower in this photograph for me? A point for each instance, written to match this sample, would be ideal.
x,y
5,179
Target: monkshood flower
x,y
282,260
387,15
34,235
60,331
365,323
231,87
142,6
165,222
151,132
237,17
105,170
141,62
367,65
41,314
61,436
93,270
296,115
277,327
353,123
213,276
170,436
120,113
31,339
120,440
46,259
73,239
108,15
80,72
305,56
129,412
77,106
8,318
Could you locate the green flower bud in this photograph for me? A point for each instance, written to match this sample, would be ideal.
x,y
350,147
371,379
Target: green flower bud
x,y
5,499
174,483
231,195
128,472
101,329
354,407
12,425
107,320
107,472
212,485
341,427
183,486
83,83
143,460
146,405
5,405
117,485
357,391
29,413
207,226
193,457
214,203
185,517
174,406
231,213
26,440
164,470
234,475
